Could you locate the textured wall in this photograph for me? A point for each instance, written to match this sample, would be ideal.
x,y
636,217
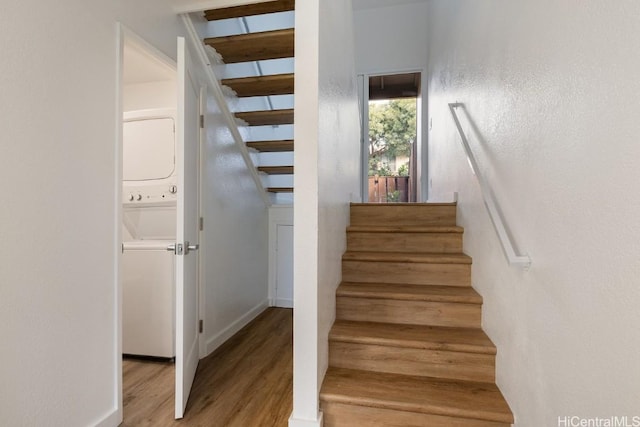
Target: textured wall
x,y
390,39
393,40
327,168
338,157
552,88
58,218
235,253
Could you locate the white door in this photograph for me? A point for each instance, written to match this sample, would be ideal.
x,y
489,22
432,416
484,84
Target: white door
x,y
284,266
187,161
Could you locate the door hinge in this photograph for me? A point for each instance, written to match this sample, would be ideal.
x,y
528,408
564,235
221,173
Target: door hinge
x,y
201,326
202,121
201,223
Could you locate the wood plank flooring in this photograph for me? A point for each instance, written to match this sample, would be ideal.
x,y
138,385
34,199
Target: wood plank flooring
x,y
246,382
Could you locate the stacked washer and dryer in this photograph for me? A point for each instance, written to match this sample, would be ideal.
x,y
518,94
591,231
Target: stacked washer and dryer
x,y
149,228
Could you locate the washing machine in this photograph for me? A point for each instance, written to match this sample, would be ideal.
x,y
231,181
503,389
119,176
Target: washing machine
x,y
149,228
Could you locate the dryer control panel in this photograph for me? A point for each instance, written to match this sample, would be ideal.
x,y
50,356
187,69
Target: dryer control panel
x,y
155,194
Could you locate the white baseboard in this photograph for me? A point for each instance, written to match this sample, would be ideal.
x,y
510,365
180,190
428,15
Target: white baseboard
x,y
298,422
282,302
443,197
219,339
112,419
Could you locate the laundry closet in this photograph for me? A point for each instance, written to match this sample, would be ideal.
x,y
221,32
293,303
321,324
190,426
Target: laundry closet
x,y
149,194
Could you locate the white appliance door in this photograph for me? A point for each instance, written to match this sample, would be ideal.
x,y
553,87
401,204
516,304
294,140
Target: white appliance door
x,y
187,156
147,299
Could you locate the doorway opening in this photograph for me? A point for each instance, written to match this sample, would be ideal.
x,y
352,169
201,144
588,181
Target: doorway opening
x,y
391,138
147,207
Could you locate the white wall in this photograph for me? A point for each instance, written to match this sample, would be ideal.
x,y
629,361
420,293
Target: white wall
x,y
552,87
280,262
58,220
390,38
234,243
338,151
142,96
235,252
393,39
327,177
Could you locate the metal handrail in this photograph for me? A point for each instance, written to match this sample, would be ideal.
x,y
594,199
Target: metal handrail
x,y
494,213
229,118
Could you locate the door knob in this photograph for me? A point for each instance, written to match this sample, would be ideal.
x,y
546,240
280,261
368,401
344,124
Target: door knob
x,y
188,247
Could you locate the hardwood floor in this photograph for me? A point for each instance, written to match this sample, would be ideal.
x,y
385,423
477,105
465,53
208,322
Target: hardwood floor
x,y
246,382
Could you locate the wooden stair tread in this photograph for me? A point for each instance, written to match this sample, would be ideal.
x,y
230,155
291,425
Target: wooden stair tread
x,y
404,229
442,338
402,292
453,398
278,84
267,117
415,257
254,46
407,347
272,146
276,170
280,189
283,145
250,10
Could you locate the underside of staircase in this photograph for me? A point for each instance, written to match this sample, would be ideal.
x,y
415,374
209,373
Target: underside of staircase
x,y
273,146
407,348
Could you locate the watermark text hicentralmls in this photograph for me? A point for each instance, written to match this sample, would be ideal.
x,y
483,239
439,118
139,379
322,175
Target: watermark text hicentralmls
x,y
612,421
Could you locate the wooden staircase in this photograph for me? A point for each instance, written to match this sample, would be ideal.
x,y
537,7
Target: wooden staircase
x,y
260,46
407,348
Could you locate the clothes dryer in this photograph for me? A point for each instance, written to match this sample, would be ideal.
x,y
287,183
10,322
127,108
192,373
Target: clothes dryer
x,y
149,228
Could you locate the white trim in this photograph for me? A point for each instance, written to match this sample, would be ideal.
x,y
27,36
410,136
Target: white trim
x,y
281,302
422,141
218,94
299,422
278,215
363,88
113,418
202,307
188,6
421,130
124,36
121,34
220,338
138,42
